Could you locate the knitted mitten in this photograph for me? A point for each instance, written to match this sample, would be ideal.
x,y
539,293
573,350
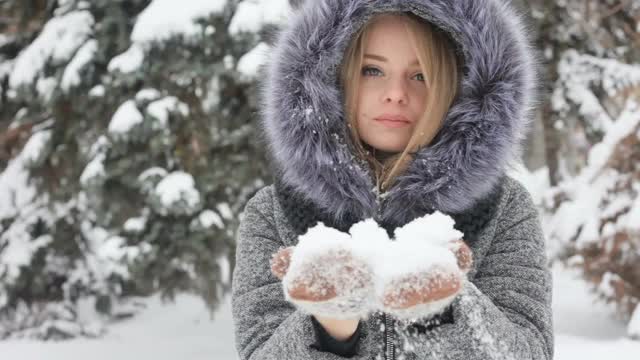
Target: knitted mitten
x,y
425,268
325,275
340,275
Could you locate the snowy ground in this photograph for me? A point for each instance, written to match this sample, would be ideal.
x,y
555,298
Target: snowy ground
x,y
183,331
585,330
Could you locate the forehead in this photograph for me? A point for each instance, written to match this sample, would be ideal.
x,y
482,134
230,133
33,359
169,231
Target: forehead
x,y
389,36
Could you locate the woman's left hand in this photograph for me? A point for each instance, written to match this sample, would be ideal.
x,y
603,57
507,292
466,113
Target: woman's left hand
x,y
421,289
428,287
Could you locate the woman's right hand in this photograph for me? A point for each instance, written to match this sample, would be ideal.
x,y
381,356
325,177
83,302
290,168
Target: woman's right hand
x,y
332,285
339,329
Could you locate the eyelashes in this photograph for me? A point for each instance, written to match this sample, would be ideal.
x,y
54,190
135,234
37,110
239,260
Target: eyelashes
x,y
375,72
371,71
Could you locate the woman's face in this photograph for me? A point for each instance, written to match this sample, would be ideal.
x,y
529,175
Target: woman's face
x,y
392,91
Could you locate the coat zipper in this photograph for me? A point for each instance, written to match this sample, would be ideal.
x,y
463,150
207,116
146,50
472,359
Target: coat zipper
x,y
388,322
388,329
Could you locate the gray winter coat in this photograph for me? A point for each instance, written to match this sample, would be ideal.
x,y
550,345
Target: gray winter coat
x,y
504,311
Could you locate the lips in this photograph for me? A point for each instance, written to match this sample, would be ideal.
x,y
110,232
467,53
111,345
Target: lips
x,y
393,121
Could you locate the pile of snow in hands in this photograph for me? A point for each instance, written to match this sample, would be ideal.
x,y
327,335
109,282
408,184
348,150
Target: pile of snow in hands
x,y
423,245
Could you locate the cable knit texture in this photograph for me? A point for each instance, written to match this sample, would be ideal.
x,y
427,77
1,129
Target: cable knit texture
x,y
504,311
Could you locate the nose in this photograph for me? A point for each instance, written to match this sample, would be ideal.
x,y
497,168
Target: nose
x,y
396,92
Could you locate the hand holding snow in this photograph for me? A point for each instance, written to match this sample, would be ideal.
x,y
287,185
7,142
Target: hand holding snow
x,y
326,275
339,275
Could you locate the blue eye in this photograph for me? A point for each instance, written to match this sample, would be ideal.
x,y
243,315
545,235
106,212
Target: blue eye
x,y
419,77
371,71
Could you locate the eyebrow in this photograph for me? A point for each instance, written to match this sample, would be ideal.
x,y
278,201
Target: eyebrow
x,y
384,59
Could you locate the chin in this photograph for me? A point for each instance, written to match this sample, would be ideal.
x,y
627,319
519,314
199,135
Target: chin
x,y
386,147
387,142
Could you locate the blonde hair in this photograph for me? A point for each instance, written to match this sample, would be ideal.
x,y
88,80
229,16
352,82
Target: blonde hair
x,y
438,63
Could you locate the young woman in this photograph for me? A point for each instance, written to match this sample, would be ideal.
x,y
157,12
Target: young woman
x,y
393,110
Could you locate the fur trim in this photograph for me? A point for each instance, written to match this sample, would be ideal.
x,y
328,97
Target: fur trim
x,y
303,115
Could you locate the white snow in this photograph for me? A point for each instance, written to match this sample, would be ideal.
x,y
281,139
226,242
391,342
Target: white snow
x,y
102,257
592,188
160,110
250,63
148,95
19,253
83,57
536,182
129,61
160,20
623,126
110,248
34,149
228,62
209,218
15,191
163,19
57,42
437,229
225,211
582,210
97,91
65,6
178,187
4,39
212,98
162,331
421,246
154,171
135,225
633,217
225,269
18,198
633,329
579,73
125,118
99,146
615,76
45,88
586,329
253,15
93,171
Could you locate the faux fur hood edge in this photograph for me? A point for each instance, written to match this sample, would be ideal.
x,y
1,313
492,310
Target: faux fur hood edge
x,y
482,134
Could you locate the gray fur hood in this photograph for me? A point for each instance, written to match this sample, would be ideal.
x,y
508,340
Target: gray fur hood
x,y
307,135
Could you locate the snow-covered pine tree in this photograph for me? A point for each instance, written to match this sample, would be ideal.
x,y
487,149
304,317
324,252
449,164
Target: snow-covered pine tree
x,y
594,217
589,114
605,29
127,152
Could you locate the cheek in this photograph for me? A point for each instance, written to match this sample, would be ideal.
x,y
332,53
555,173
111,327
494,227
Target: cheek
x,y
365,106
361,122
420,100
368,92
